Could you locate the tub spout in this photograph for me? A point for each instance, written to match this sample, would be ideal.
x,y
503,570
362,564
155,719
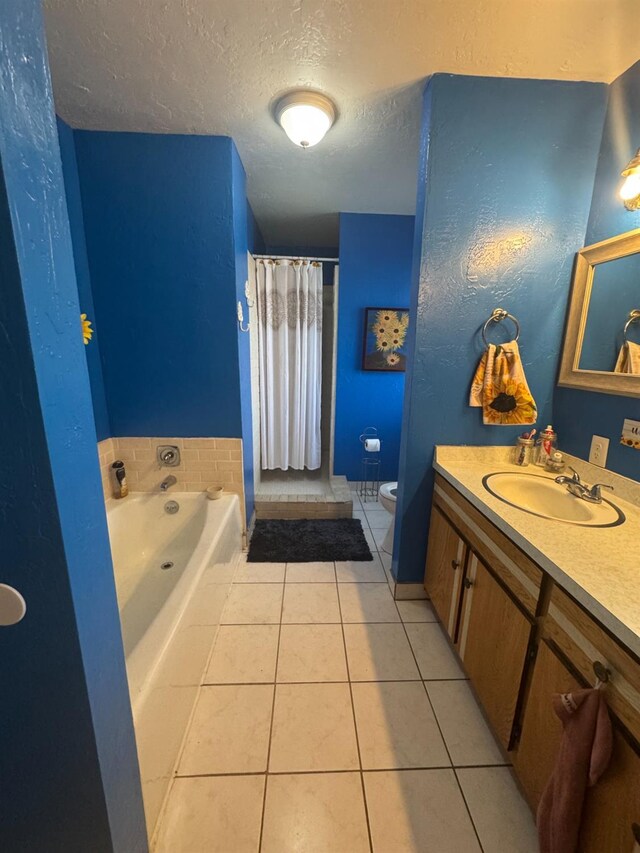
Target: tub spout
x,y
168,481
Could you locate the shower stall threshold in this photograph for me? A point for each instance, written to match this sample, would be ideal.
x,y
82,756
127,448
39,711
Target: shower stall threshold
x,y
333,500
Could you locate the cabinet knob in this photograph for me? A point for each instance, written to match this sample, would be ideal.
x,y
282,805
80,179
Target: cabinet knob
x,y
455,564
635,829
468,583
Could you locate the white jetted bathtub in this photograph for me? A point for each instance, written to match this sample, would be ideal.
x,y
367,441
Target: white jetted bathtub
x,y
173,570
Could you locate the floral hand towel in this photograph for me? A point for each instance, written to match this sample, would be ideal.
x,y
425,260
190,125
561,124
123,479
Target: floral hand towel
x,y
628,359
500,388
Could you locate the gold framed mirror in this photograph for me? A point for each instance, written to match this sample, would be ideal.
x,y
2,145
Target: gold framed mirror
x,y
601,349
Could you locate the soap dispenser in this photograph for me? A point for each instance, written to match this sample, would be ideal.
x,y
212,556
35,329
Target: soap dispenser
x,y
545,446
119,479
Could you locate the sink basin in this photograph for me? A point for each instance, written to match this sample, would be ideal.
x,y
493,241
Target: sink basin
x,y
544,497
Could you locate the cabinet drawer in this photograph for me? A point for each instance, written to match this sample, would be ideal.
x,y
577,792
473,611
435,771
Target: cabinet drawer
x,y
584,641
515,569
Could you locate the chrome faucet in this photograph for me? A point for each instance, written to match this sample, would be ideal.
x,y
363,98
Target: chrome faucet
x,y
168,481
591,494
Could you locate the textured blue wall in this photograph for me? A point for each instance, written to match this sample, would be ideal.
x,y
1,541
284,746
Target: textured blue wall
x,y
158,214
242,233
581,414
69,779
508,188
376,254
76,222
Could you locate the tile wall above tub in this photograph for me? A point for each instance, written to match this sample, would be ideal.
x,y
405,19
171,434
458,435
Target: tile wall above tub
x,y
204,462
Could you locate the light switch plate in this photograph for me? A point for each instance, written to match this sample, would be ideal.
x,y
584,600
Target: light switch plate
x,y
599,450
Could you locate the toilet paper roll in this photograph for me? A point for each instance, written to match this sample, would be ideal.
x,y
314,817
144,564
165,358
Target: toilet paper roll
x,y
372,445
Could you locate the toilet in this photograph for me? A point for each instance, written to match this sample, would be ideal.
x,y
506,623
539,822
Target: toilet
x,y
387,497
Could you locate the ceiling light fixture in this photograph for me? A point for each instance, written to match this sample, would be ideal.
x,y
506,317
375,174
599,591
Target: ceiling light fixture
x,y
630,189
305,116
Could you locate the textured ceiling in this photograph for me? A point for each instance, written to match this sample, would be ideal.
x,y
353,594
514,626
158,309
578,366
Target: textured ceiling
x,y
215,67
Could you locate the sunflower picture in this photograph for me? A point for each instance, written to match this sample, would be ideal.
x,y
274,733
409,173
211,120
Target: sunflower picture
x,y
385,336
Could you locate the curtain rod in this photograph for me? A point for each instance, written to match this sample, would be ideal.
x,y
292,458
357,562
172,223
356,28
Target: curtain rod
x,y
293,258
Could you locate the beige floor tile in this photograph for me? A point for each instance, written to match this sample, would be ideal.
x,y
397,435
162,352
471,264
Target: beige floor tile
x,y
313,603
229,732
396,726
433,653
501,816
415,811
315,813
371,542
253,603
419,610
212,815
378,519
360,571
311,653
367,602
311,573
244,654
379,652
313,729
259,572
379,534
463,727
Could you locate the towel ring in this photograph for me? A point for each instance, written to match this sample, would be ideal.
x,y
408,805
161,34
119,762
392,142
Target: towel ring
x,y
634,317
498,315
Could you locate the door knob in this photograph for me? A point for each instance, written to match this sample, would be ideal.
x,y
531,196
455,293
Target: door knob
x,y
468,583
12,605
455,564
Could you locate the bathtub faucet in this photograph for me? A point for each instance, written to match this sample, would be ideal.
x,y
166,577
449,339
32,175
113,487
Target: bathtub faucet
x,y
168,481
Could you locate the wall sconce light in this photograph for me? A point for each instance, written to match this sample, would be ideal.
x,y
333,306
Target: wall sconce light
x,y
305,116
630,189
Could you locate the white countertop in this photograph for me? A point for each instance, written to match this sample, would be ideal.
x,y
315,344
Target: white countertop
x,y
598,566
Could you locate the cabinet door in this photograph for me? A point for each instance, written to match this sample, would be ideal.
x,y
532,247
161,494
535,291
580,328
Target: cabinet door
x,y
494,638
541,731
611,807
443,573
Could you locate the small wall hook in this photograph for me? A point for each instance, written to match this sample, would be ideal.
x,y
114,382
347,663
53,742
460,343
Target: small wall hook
x,y
248,295
241,318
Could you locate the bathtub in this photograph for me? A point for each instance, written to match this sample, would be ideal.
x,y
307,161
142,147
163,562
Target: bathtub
x,y
172,572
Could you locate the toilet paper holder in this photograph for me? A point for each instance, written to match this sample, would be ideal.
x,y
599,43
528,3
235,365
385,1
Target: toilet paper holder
x,y
370,465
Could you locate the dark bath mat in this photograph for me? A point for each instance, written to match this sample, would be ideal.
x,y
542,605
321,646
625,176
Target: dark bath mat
x,y
308,541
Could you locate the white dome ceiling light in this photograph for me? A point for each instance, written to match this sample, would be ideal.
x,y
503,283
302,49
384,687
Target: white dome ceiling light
x,y
305,116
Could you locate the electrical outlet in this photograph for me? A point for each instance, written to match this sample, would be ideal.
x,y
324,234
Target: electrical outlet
x,y
599,450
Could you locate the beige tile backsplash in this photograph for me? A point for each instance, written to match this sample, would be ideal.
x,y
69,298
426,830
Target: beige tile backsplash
x,y
204,462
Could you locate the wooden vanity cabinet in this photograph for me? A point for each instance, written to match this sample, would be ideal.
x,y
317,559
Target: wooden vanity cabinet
x,y
521,639
493,642
484,591
446,560
611,807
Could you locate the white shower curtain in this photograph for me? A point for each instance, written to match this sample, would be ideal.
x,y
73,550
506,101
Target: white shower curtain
x,y
290,351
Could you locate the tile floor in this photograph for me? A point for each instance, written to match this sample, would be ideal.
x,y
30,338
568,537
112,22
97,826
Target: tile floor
x,y
333,719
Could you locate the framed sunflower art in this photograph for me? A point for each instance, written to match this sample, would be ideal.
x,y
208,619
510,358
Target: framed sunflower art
x,y
385,338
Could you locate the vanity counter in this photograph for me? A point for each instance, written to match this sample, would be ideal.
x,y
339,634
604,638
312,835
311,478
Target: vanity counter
x,y
598,566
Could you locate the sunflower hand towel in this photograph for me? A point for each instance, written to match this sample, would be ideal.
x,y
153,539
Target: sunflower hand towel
x,y
500,388
628,359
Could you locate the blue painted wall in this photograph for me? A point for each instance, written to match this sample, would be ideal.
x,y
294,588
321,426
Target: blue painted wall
x,y
376,254
581,414
158,213
507,192
69,779
76,222
242,214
